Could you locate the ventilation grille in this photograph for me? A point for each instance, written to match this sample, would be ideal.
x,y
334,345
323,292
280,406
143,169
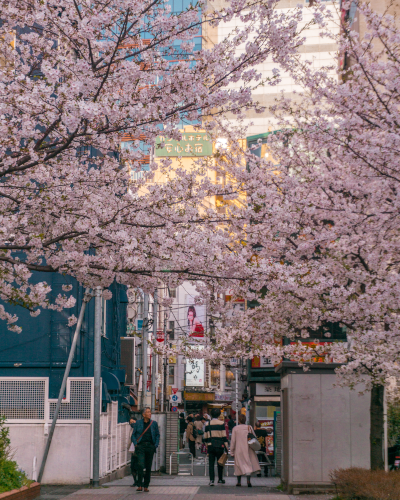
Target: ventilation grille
x,y
79,406
22,399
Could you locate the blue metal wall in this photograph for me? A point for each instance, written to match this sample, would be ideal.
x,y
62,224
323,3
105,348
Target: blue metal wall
x,y
42,348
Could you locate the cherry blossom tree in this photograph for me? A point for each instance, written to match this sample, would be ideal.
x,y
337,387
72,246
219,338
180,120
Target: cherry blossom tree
x,y
76,76
322,222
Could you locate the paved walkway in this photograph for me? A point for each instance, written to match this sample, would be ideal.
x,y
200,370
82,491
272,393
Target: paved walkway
x,y
179,488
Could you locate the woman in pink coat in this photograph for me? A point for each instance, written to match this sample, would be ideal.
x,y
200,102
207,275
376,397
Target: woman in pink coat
x,y
246,461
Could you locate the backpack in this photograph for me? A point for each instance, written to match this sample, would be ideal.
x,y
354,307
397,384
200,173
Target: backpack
x,y
194,432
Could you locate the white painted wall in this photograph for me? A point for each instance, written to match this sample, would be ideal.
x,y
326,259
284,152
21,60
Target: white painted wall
x,y
69,460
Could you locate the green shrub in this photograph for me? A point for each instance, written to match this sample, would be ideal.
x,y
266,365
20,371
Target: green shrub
x,y
11,477
364,484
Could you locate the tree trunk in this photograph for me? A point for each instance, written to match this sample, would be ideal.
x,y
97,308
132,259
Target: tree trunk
x,y
376,433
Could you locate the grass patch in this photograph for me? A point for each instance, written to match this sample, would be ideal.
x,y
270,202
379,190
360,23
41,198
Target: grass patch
x,y
363,484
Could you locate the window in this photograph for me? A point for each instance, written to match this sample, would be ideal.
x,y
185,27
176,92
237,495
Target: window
x,y
171,375
171,330
214,374
229,377
172,293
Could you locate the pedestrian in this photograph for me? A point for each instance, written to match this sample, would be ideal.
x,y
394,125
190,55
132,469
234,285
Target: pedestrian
x,y
182,428
231,423
246,461
146,438
216,441
190,436
132,423
198,424
261,435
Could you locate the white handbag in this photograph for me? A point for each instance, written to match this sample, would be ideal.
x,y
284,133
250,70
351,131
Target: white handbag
x,y
252,441
132,448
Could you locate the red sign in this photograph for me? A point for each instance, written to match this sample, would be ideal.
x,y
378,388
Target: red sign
x,y
174,390
160,336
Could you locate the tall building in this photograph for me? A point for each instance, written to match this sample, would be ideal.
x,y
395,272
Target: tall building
x,y
321,51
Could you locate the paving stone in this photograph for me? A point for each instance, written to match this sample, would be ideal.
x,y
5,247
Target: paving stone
x,y
152,496
89,496
253,495
171,490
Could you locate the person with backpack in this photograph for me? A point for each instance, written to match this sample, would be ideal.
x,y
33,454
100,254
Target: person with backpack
x,y
191,435
198,425
146,438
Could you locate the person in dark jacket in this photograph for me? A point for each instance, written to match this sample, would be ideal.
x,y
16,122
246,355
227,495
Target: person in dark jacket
x,y
182,428
132,423
231,423
261,435
146,438
216,441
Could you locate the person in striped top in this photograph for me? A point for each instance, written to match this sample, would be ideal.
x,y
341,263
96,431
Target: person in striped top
x,y
217,443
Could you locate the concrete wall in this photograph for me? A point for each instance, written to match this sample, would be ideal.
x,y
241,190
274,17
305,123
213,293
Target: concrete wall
x,y
325,427
69,460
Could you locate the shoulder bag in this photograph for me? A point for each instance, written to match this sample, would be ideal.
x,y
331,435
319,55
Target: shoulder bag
x,y
252,441
144,432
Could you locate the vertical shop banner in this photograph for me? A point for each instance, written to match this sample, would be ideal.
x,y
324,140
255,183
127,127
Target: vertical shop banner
x,y
196,318
195,372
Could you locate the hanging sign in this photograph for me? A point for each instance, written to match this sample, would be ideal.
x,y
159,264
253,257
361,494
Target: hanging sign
x,y
192,144
160,336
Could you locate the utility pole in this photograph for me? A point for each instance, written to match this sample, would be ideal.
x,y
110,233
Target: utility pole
x,y
237,393
165,367
85,301
145,336
154,365
97,388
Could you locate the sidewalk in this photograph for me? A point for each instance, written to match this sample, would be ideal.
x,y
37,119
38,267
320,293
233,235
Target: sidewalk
x,y
166,487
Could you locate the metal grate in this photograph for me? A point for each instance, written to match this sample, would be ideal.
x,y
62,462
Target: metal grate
x,y
23,399
80,402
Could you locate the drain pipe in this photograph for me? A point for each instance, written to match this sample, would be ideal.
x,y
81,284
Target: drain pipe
x,y
86,299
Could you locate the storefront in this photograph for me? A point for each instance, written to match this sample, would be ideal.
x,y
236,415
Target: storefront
x,y
197,402
222,401
265,405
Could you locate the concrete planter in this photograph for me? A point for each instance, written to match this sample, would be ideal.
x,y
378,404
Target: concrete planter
x,y
24,493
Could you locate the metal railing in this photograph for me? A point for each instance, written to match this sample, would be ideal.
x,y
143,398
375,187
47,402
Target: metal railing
x,y
183,469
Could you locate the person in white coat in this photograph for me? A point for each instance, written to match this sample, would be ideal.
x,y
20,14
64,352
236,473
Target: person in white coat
x,y
246,461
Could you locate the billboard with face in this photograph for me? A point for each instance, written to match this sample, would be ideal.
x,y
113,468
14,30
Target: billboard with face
x,y
196,318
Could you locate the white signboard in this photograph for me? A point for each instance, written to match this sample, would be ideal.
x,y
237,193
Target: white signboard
x,y
176,399
268,389
266,362
224,396
195,373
